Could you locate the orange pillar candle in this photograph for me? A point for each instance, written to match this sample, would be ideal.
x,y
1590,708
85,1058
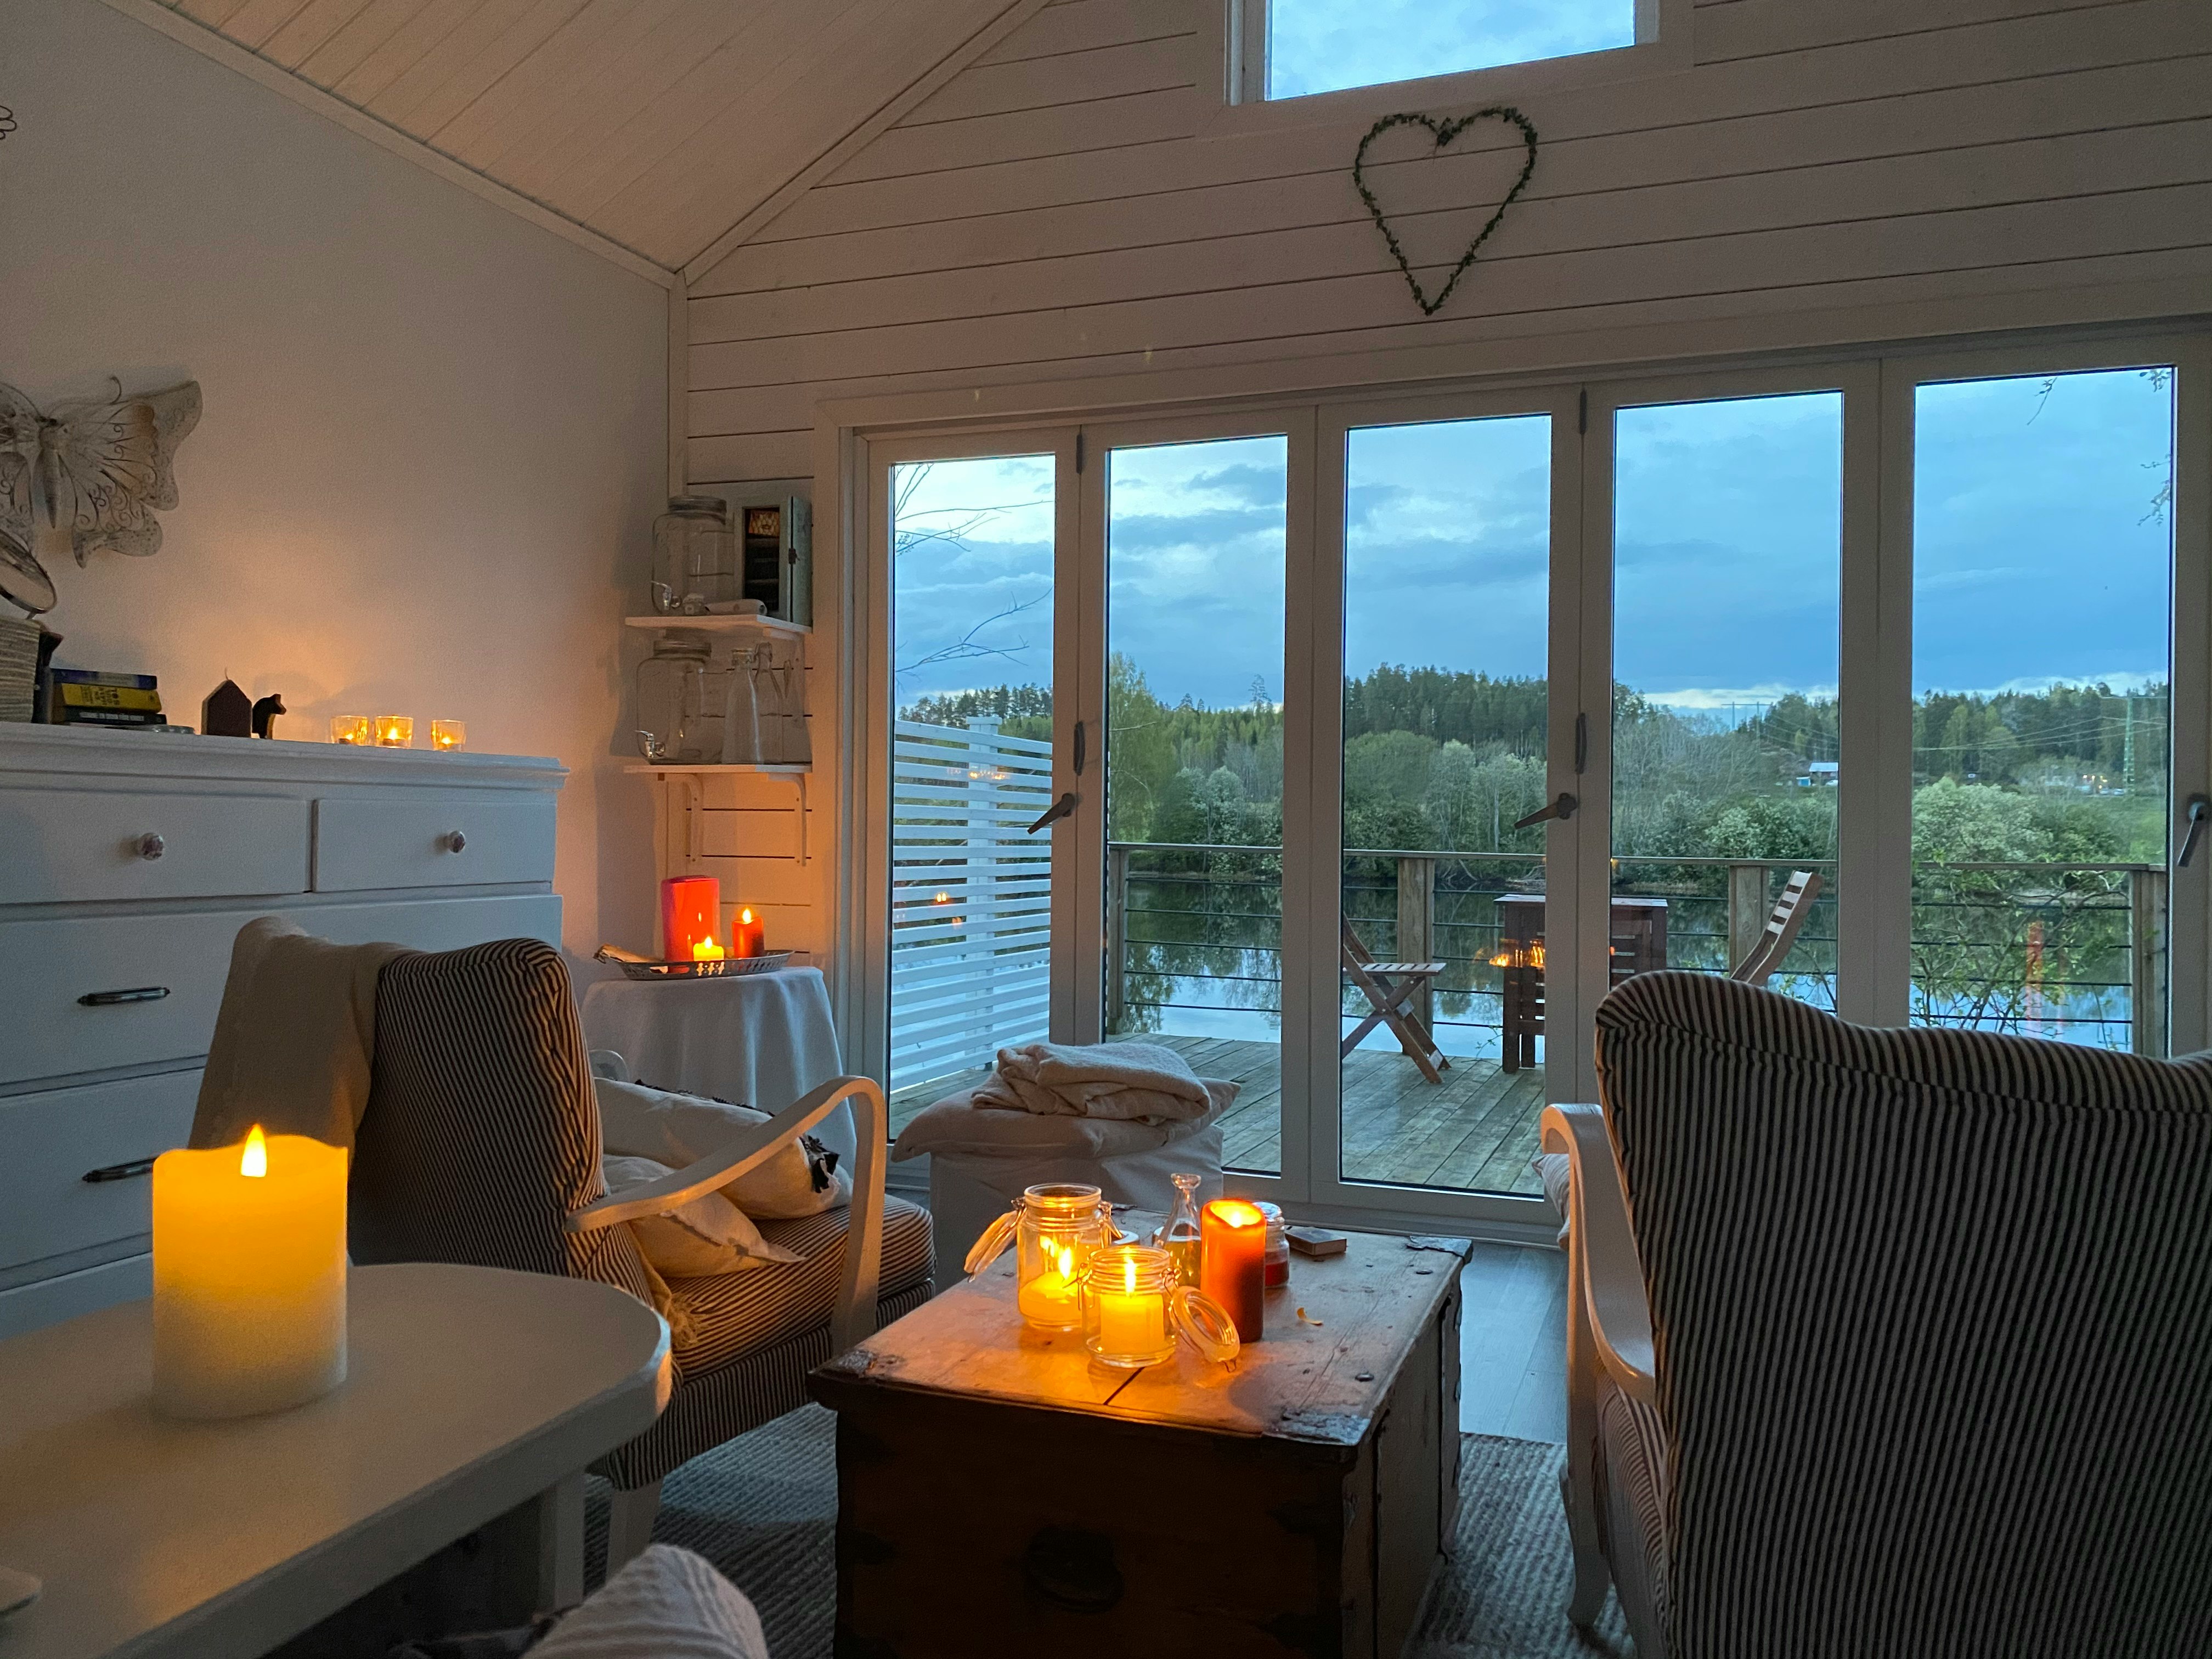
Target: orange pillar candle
x,y
249,1276
747,936
690,915
1233,1263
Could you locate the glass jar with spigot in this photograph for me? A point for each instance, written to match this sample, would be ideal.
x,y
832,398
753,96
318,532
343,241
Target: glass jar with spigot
x,y
695,555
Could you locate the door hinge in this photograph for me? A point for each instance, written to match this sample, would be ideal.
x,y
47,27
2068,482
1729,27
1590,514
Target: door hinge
x,y
1582,416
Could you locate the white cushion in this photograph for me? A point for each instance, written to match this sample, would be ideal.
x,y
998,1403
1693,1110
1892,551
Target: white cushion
x,y
665,1604
704,1235
955,1124
801,1179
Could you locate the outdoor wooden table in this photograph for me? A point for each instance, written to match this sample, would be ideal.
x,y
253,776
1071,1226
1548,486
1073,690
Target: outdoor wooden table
x,y
999,1492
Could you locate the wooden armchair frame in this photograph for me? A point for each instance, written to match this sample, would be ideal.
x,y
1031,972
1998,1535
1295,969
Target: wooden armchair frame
x,y
1608,1324
852,1320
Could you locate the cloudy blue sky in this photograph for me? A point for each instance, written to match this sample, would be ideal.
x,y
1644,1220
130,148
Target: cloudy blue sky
x,y
1321,46
2041,549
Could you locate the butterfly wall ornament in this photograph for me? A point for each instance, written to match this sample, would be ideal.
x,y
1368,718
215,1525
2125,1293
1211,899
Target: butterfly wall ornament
x,y
97,468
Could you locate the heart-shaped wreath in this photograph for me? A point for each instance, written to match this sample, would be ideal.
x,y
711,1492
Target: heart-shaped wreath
x,y
1444,132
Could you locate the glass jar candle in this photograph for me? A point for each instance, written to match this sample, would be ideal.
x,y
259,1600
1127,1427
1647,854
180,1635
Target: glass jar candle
x,y
1125,1305
352,730
1054,1229
695,555
1276,1260
395,731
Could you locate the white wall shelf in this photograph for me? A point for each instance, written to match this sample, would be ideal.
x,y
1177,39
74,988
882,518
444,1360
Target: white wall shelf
x,y
681,792
772,771
774,628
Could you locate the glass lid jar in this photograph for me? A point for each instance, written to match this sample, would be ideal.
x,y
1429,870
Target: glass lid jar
x,y
1136,1308
1054,1229
695,555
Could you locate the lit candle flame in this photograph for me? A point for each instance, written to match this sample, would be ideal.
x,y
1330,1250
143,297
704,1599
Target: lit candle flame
x,y
254,1160
746,917
1128,1273
1066,1255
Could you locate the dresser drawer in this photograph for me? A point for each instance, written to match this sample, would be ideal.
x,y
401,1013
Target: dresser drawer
x,y
48,968
449,839
175,964
82,844
49,1141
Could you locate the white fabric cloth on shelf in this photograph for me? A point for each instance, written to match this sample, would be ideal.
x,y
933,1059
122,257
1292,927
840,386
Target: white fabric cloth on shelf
x,y
963,1123
758,1040
1143,1082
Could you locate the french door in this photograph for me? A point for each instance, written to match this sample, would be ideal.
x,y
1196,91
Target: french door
x,y
1355,749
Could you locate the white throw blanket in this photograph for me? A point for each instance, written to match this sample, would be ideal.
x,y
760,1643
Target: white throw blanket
x,y
294,1037
1139,1082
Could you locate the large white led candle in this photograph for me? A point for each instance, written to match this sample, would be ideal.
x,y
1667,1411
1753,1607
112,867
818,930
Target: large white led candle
x,y
249,1276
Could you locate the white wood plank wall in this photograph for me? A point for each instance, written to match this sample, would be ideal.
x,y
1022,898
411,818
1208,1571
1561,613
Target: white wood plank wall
x,y
1074,203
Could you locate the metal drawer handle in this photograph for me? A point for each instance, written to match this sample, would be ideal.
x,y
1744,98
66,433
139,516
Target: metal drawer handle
x,y
150,846
136,993
453,842
130,1171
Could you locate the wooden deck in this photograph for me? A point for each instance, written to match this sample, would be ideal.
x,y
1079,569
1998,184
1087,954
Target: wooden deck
x,y
1475,1133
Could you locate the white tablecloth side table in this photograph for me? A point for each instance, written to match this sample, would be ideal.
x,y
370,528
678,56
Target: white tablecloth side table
x,y
759,1040
474,1398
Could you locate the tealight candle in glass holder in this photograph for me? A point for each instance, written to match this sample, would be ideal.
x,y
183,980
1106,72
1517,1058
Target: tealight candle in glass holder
x,y
1136,1308
1054,1229
349,729
395,731
448,734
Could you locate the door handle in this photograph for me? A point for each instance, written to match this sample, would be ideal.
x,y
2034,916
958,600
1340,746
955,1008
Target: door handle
x,y
1078,749
1562,809
2200,809
1059,808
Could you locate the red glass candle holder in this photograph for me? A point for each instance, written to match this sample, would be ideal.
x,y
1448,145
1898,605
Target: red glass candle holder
x,y
690,915
1233,1263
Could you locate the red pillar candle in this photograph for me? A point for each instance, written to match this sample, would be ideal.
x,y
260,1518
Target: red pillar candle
x,y
747,936
1233,1261
690,915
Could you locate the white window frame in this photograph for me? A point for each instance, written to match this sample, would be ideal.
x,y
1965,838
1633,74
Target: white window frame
x,y
1662,47
1874,914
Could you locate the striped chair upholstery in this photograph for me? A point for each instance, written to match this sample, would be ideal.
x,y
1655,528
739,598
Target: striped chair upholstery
x,y
481,1136
1932,1313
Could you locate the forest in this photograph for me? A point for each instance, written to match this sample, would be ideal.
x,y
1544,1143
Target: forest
x,y
1438,759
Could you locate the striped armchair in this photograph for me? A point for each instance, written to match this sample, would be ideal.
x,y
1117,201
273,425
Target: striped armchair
x,y
480,1144
1886,1341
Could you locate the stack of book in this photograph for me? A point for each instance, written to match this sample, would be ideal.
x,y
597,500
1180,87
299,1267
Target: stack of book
x,y
19,667
86,696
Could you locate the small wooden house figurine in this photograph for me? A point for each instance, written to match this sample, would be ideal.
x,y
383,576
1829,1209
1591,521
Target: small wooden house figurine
x,y
227,712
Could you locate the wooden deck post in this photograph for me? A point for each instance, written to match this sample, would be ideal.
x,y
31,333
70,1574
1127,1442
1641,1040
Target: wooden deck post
x,y
1748,906
2146,987
1117,933
1417,928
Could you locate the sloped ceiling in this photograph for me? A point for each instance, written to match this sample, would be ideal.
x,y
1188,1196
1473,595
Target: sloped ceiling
x,y
658,124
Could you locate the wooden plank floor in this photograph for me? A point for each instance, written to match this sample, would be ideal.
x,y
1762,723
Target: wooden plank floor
x,y
1476,1133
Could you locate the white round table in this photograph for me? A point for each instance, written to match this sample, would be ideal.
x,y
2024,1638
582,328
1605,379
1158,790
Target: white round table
x,y
758,1040
473,1396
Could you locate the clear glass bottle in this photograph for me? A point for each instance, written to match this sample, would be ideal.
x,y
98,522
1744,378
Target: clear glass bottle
x,y
695,555
744,725
1180,1237
671,691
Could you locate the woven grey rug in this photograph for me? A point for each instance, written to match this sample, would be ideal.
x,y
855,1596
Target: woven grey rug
x,y
763,1507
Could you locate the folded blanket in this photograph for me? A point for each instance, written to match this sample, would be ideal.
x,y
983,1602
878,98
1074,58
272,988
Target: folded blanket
x,y
1141,1082
293,1039
960,1123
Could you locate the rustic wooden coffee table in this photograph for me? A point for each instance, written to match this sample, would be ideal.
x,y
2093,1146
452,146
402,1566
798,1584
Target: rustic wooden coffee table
x,y
1000,1493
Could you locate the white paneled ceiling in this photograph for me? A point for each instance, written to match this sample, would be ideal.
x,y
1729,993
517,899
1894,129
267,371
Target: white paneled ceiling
x,y
658,125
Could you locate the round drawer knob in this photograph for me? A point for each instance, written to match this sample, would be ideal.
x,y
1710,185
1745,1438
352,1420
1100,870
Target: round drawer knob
x,y
149,846
455,840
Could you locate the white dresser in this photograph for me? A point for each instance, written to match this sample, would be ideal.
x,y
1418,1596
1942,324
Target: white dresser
x,y
128,862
